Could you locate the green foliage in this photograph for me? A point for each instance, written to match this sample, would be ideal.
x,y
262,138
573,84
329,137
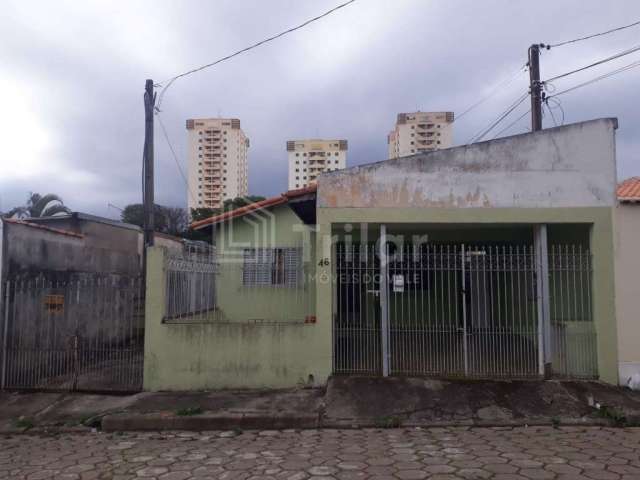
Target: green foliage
x,y
39,206
612,414
189,411
238,202
388,422
23,423
202,213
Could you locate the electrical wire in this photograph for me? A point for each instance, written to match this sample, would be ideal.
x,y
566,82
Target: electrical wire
x,y
170,81
555,123
597,79
500,118
175,158
507,81
599,62
617,29
511,124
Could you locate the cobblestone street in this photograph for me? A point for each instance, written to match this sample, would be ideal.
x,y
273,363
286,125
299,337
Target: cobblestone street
x,y
442,453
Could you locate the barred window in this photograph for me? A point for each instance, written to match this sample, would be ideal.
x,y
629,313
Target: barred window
x,y
271,266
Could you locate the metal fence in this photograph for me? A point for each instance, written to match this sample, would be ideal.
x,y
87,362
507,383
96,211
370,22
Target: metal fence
x,y
190,282
250,285
573,333
460,310
85,333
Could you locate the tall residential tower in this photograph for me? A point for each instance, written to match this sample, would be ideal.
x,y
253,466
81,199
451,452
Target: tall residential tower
x,y
420,132
218,167
309,158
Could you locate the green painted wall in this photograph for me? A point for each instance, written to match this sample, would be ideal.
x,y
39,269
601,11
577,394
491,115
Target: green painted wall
x,y
277,227
256,339
601,241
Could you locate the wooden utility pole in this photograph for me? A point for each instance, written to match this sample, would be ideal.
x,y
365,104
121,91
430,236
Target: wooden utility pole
x,y
535,87
147,199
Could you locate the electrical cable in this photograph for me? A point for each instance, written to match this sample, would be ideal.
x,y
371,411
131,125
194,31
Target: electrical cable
x,y
170,81
597,79
599,62
175,158
501,117
507,81
617,29
512,124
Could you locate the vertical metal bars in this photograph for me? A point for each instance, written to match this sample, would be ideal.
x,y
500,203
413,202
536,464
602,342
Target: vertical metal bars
x,y
573,332
83,333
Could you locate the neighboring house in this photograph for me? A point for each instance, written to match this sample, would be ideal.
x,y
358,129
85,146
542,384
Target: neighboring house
x,y
476,261
69,244
627,220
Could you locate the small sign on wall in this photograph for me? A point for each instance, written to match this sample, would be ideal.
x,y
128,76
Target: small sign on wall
x,y
398,283
54,304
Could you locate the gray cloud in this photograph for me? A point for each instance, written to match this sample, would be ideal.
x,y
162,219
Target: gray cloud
x,y
72,77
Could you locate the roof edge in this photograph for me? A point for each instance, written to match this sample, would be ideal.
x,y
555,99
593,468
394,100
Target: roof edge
x,y
281,199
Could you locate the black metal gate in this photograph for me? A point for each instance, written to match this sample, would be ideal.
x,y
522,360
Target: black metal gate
x,y
450,310
81,334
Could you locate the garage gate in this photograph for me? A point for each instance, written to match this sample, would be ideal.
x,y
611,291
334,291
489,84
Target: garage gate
x,y
460,310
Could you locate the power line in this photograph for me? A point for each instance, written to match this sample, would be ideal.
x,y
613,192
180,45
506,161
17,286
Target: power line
x,y
175,158
512,124
170,81
599,62
597,79
502,116
617,29
507,81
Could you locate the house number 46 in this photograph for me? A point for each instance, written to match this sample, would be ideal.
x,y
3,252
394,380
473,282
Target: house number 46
x,y
324,262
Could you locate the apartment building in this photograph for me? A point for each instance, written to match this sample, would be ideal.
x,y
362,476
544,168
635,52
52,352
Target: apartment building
x,y
420,132
309,158
218,167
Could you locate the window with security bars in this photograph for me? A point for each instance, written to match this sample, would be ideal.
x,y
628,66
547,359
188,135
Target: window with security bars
x,y
271,266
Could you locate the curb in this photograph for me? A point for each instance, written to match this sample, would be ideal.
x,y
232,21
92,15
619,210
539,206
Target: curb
x,y
157,422
207,422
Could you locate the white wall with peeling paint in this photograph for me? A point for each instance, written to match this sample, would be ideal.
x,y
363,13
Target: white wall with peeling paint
x,y
568,166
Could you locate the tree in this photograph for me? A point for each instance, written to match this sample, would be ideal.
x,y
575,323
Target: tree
x,y
38,205
203,213
134,214
176,220
238,202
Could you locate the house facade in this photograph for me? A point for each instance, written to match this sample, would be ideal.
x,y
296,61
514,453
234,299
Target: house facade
x,y
475,261
627,221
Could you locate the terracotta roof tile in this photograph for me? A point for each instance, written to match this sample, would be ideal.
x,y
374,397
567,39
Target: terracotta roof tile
x,y
629,190
42,227
266,203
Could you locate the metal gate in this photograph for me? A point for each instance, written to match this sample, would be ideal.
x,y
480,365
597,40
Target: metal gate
x,y
450,310
82,334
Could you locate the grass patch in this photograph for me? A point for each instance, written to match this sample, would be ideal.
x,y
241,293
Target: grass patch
x,y
388,422
23,423
612,414
189,411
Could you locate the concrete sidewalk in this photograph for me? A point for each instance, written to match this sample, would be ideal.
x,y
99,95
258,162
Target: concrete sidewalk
x,y
346,402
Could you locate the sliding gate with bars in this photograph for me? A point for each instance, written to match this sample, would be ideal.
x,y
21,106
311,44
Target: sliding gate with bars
x,y
83,333
450,310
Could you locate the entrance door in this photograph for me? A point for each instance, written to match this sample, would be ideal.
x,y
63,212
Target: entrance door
x,y
356,325
500,298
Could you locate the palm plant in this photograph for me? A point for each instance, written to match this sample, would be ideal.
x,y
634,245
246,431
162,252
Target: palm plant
x,y
40,206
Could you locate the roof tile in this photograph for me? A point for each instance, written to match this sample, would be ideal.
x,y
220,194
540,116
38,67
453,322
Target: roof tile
x,y
629,190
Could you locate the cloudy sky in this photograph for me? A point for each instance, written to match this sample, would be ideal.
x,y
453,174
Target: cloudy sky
x,y
72,76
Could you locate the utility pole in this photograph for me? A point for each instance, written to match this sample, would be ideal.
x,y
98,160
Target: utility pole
x,y
147,198
535,88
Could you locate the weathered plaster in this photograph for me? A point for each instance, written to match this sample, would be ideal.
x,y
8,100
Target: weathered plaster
x,y
569,166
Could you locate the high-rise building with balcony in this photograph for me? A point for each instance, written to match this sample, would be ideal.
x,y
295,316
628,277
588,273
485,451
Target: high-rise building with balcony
x,y
309,158
420,132
218,167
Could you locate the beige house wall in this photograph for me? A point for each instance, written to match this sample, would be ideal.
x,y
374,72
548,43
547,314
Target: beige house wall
x,y
627,264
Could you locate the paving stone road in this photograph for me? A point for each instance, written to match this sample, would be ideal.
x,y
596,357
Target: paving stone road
x,y
436,453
